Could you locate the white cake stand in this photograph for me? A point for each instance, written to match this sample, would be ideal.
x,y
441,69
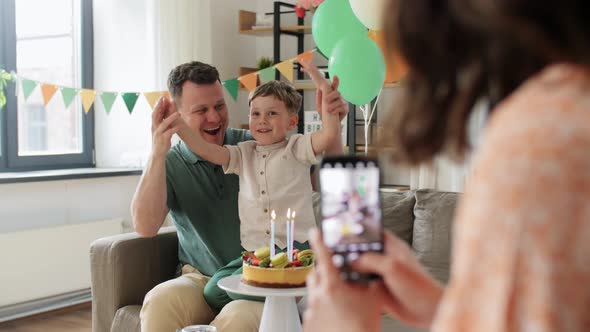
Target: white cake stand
x,y
280,310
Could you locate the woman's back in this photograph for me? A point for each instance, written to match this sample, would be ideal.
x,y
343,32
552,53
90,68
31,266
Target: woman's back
x,y
522,238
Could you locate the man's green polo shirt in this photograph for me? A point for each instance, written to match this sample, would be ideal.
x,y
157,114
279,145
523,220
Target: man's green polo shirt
x,y
203,203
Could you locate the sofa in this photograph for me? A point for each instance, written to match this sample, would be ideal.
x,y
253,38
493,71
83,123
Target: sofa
x,y
125,267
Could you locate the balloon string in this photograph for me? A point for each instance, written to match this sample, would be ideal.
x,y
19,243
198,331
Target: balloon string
x,y
375,105
364,109
367,119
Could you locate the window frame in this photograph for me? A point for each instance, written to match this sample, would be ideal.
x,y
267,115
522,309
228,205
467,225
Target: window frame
x,y
10,161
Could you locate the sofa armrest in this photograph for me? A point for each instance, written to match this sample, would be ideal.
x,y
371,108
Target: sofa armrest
x,y
125,267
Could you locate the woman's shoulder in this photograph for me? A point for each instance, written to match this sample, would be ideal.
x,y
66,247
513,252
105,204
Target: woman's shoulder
x,y
555,101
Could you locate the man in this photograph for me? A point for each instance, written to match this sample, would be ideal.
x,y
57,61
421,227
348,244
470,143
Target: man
x,y
202,201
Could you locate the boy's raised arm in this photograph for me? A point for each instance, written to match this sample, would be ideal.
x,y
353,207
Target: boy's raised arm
x,y
324,138
213,153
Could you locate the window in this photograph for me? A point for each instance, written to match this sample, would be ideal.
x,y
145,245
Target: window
x,y
47,42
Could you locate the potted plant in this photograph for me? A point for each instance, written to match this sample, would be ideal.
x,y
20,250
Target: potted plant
x,y
264,62
4,78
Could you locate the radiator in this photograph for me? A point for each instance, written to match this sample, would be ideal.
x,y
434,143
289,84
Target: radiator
x,y
41,264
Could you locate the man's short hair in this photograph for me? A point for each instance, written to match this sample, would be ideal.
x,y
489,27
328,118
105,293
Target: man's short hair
x,y
283,91
194,71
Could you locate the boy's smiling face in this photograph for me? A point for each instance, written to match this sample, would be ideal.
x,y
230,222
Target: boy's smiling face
x,y
270,121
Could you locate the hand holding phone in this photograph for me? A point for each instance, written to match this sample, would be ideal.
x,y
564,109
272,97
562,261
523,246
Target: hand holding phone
x,y
351,211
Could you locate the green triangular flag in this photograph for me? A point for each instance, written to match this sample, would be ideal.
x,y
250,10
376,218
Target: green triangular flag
x,y
108,99
267,74
130,99
68,95
232,87
28,87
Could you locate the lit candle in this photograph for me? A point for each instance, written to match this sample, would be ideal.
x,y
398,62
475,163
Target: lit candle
x,y
273,216
288,234
292,232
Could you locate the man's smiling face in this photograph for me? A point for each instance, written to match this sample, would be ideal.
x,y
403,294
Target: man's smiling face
x,y
203,108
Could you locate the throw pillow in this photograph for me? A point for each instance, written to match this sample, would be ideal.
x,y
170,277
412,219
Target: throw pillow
x,y
397,213
433,219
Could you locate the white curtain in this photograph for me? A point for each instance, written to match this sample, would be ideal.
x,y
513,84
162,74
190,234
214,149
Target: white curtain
x,y
446,174
182,32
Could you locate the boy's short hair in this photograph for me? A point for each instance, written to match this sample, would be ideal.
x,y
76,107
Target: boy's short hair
x,y
283,91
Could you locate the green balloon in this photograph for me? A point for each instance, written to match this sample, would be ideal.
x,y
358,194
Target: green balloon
x,y
359,63
332,21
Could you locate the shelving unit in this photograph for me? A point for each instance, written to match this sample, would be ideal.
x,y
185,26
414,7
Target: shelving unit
x,y
247,21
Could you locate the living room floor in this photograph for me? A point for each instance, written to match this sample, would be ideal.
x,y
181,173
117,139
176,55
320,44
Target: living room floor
x,y
77,319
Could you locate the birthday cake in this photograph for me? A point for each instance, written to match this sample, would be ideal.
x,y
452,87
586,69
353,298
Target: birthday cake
x,y
278,271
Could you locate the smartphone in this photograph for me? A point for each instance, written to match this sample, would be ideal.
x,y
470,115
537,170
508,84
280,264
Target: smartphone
x,y
351,211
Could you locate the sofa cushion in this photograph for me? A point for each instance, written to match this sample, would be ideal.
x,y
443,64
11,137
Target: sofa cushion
x,y
431,240
127,319
317,210
397,212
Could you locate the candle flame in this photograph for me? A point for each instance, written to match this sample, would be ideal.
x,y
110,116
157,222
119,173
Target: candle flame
x,y
288,213
273,215
293,215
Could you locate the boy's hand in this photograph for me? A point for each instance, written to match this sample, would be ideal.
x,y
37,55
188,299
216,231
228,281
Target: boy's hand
x,y
334,101
316,76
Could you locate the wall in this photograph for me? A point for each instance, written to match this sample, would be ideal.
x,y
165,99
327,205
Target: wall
x,y
126,59
231,51
51,261
33,205
39,221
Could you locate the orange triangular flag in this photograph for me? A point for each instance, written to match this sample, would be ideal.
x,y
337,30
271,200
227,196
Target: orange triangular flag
x,y
48,91
87,97
152,97
286,68
305,55
249,81
166,94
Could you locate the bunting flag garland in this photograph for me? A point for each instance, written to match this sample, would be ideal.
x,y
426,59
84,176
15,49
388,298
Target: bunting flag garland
x,y
232,87
130,98
152,97
68,94
28,87
286,68
250,81
88,97
108,99
267,74
307,55
48,90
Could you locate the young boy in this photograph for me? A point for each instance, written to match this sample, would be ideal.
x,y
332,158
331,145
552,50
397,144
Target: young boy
x,y
273,169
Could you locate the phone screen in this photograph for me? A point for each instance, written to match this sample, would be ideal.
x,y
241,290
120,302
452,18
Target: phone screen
x,y
351,209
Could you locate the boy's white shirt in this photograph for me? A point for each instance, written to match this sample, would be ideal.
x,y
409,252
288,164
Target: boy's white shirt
x,y
273,177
